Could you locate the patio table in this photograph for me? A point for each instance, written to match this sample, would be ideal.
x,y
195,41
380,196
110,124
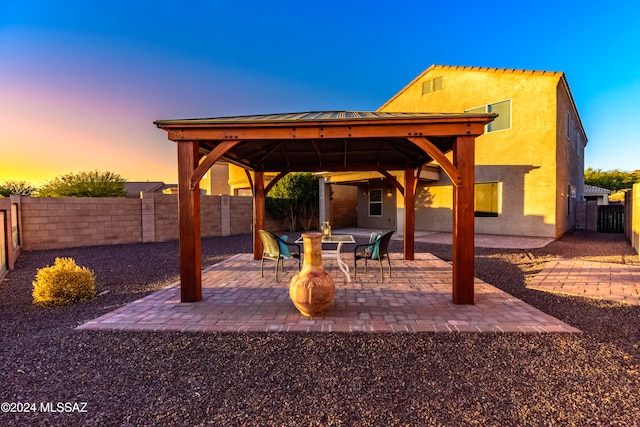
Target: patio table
x,y
338,240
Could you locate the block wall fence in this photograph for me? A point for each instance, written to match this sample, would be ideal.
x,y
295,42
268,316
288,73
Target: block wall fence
x,y
54,223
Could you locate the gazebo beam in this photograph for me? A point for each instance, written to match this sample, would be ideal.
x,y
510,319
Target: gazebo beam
x,y
327,130
211,158
392,179
450,169
274,181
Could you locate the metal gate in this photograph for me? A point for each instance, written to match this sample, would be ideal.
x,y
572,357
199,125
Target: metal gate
x,y
611,219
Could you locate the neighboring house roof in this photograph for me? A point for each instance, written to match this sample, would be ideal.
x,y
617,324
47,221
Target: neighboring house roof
x,y
592,190
134,188
560,74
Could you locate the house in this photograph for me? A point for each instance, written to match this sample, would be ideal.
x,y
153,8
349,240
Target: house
x,y
529,170
598,194
135,188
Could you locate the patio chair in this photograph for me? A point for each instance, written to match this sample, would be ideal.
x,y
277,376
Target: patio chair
x,y
377,248
277,249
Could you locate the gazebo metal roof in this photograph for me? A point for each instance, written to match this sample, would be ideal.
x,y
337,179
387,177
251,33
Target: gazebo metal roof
x,y
322,140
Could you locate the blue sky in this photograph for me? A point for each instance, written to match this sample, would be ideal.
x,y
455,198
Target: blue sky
x,y
82,81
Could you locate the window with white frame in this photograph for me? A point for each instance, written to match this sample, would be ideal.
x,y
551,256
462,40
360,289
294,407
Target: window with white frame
x,y
502,108
487,199
375,202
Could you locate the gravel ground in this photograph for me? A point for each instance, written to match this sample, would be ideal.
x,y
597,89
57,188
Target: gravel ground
x,y
287,379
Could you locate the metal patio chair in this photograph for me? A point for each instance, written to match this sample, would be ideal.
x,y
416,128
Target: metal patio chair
x,y
377,249
277,249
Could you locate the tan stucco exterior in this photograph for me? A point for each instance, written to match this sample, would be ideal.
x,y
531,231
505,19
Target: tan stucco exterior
x,y
533,162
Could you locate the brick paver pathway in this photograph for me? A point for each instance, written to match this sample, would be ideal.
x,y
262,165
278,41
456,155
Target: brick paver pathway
x,y
417,298
606,281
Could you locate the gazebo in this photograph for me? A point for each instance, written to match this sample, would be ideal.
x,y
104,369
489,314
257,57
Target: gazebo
x,y
329,142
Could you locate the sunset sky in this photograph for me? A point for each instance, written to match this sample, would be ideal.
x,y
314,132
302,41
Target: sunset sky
x,y
81,82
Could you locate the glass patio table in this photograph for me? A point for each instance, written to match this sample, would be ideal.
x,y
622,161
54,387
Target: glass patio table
x,y
338,240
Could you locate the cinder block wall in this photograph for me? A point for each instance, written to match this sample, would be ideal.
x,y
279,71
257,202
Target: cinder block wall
x,y
51,223
166,217
592,215
210,215
241,214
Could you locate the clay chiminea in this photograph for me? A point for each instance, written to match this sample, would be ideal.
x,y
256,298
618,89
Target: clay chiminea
x,y
312,289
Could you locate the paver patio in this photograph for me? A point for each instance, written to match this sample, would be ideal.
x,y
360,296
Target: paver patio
x,y
606,281
417,298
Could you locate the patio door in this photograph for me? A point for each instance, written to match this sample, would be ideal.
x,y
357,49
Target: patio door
x,y
3,245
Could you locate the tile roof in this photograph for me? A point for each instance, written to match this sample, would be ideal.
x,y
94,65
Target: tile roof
x,y
592,189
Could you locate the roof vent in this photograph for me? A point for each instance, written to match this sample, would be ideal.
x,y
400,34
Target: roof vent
x,y
432,85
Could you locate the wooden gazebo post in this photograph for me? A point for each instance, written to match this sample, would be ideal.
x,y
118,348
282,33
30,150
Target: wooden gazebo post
x,y
258,212
463,221
409,214
189,220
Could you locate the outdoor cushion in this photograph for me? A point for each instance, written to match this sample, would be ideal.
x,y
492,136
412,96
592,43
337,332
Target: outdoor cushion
x,y
284,249
372,250
376,247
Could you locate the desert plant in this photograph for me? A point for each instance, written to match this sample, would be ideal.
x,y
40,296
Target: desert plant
x,y
85,184
293,198
22,188
613,180
63,283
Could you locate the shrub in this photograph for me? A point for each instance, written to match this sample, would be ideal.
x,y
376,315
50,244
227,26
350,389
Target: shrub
x,y
22,188
85,184
63,283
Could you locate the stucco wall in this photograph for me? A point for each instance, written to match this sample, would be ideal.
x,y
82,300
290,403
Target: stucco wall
x,y
522,158
388,219
632,212
344,206
570,161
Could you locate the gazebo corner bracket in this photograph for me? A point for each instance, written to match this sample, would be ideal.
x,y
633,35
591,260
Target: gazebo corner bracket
x,y
209,161
428,147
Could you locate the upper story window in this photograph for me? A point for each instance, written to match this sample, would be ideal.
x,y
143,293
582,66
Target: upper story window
x,y
502,108
432,85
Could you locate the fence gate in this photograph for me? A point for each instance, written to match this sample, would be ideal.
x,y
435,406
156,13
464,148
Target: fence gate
x,y
3,245
611,219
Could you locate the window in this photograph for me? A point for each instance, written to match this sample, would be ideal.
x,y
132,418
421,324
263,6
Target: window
x,y
375,202
568,125
432,85
486,200
579,144
502,108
